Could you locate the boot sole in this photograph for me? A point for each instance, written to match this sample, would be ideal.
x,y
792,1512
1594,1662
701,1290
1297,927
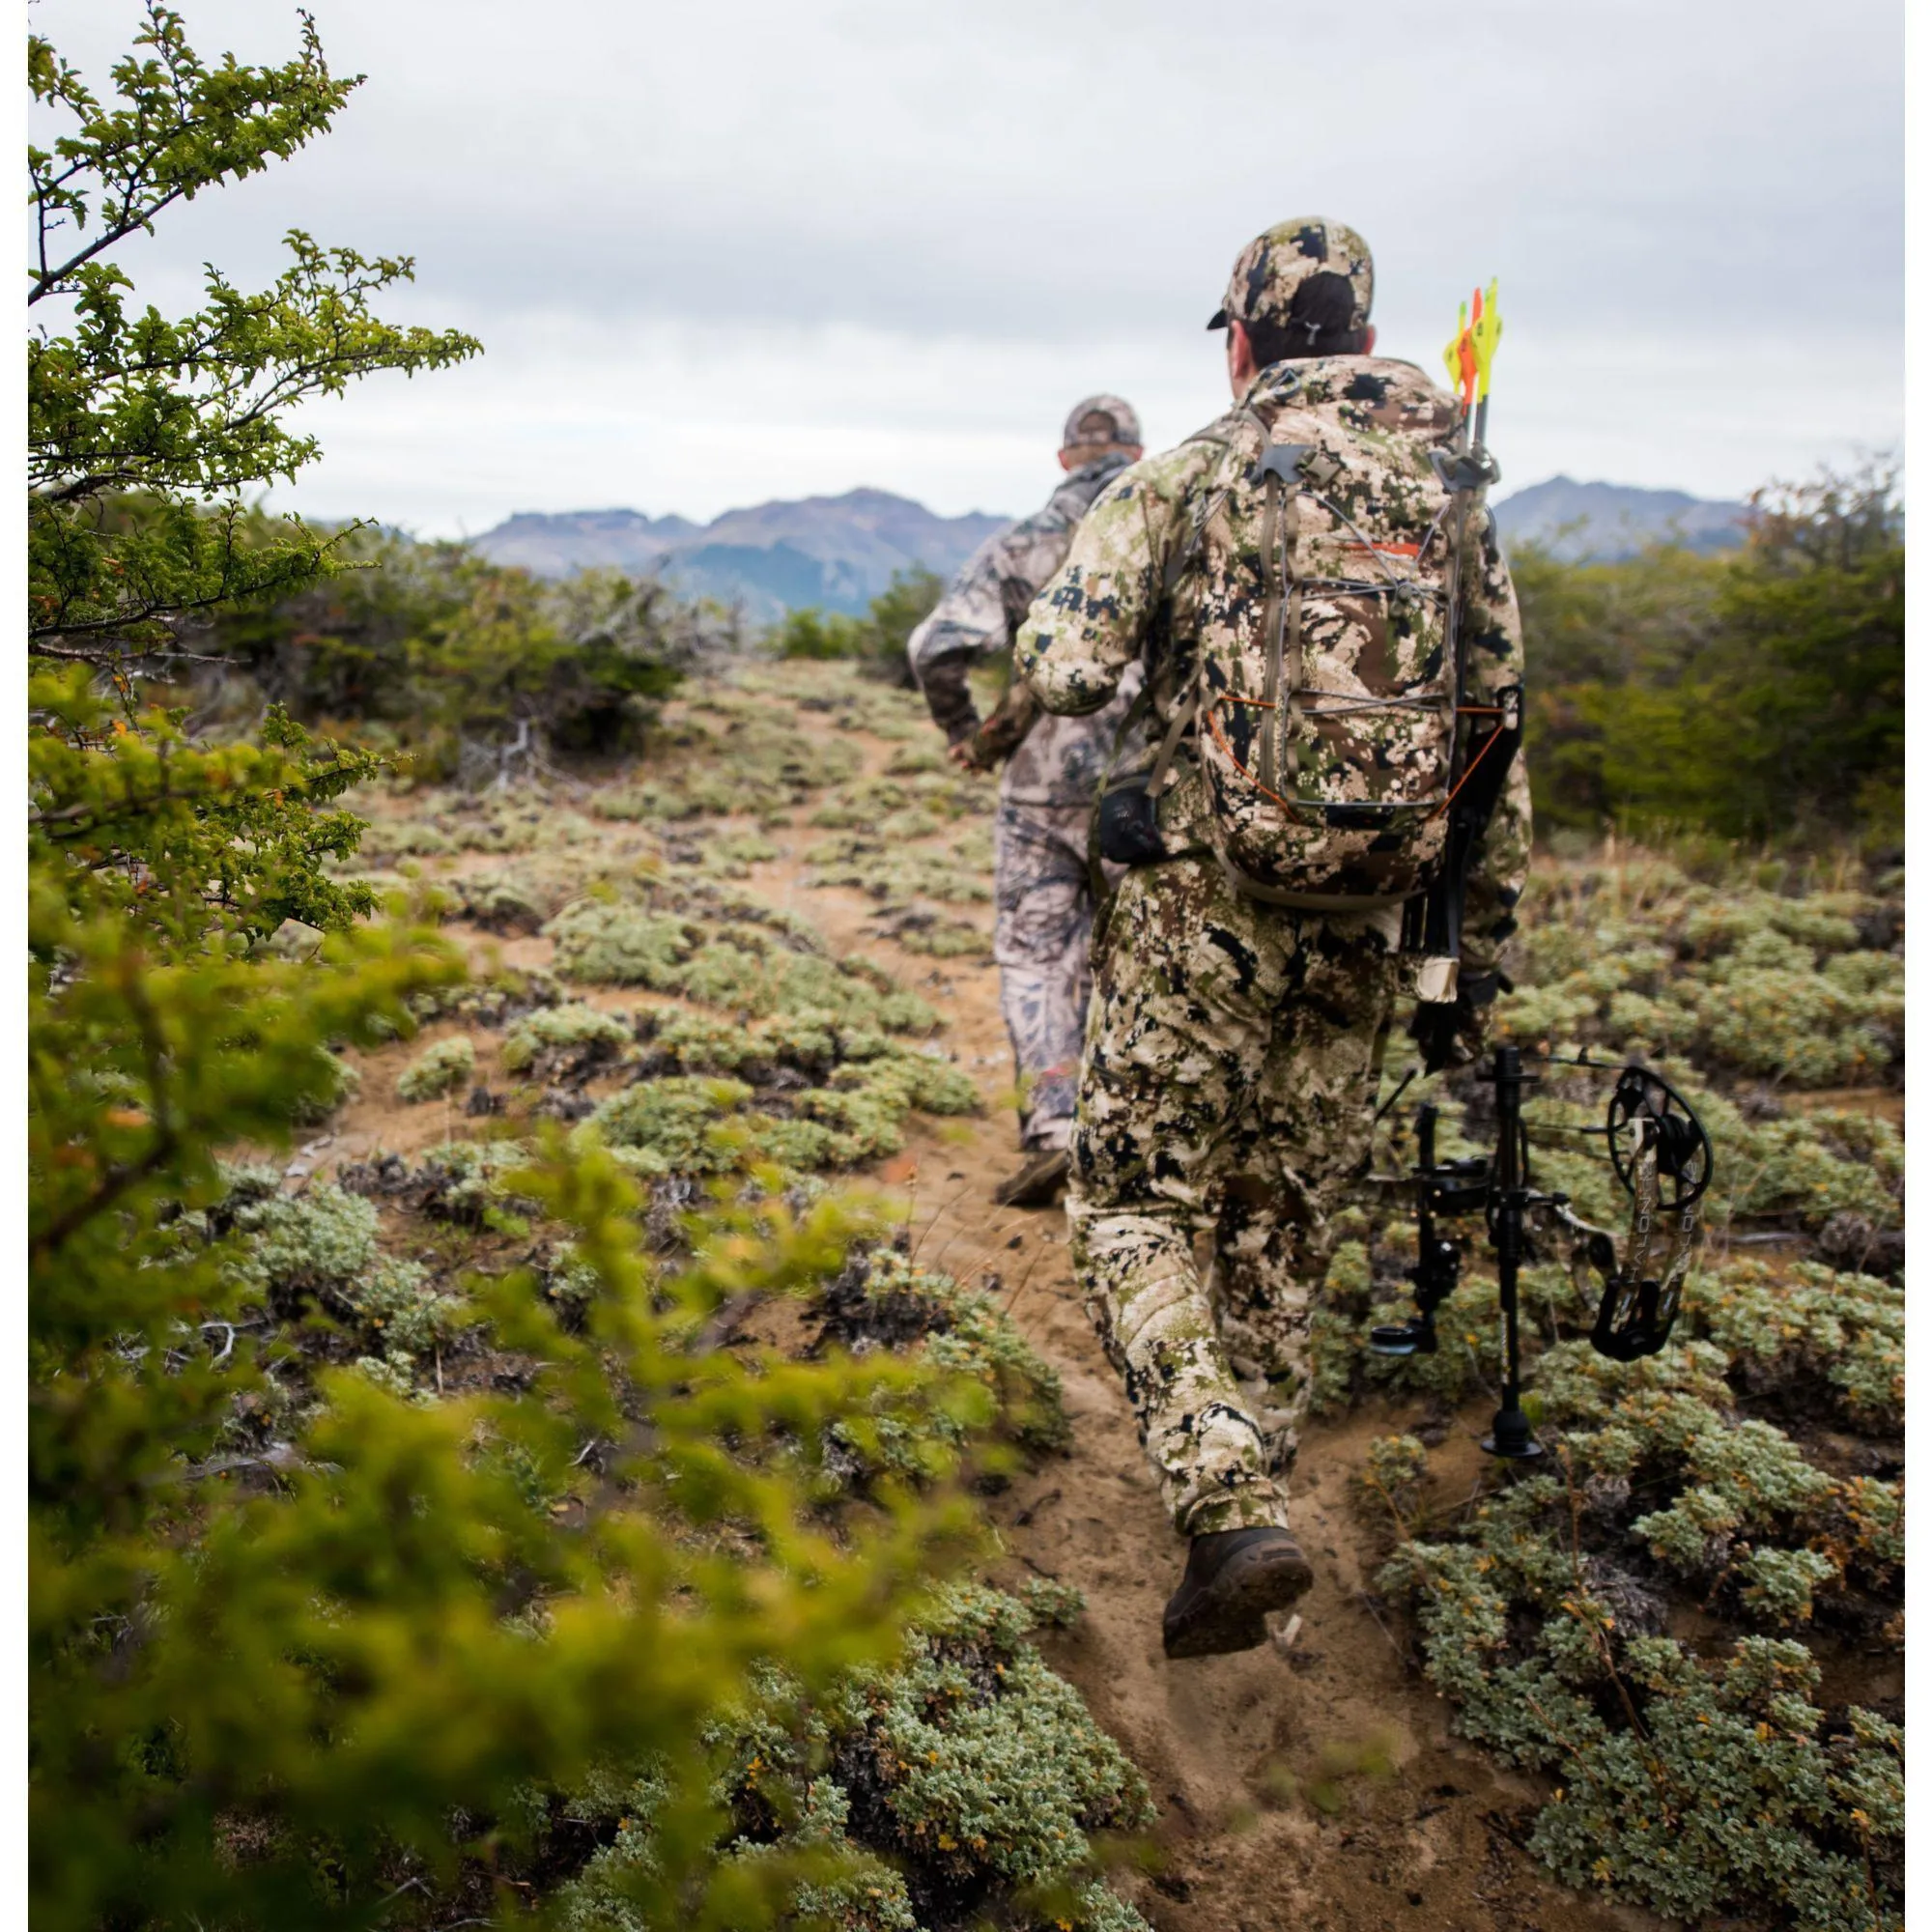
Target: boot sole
x,y
1231,1614
1036,1193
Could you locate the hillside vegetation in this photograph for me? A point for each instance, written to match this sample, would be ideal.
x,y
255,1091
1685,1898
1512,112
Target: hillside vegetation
x,y
1749,695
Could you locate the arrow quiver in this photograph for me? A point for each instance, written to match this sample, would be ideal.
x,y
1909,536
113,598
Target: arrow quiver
x,y
1490,735
1660,1154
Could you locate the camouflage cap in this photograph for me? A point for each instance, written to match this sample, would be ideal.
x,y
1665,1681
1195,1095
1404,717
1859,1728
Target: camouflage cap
x,y
1310,274
1096,421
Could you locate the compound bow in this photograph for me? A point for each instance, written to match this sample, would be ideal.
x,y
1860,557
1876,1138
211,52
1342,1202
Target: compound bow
x,y
1661,1153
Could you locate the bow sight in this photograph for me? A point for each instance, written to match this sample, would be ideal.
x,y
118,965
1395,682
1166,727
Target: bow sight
x,y
1661,1153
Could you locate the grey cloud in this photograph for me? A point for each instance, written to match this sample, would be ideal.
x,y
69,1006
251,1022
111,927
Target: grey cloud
x,y
1011,174
997,166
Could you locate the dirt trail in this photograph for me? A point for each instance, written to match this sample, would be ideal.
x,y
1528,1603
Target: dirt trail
x,y
1229,1745
1317,1789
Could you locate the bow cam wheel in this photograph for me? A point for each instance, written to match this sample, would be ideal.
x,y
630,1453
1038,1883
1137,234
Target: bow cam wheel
x,y
1683,1146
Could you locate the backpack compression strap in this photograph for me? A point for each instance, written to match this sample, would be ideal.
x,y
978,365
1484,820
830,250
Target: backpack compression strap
x,y
1284,469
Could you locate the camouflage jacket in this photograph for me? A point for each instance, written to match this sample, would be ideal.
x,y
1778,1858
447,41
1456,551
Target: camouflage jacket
x,y
1123,598
1052,760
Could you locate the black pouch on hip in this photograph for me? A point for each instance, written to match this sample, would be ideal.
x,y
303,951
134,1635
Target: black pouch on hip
x,y
1126,829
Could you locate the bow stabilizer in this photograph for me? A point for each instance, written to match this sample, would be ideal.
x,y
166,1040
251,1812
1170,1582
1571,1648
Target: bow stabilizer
x,y
1663,1158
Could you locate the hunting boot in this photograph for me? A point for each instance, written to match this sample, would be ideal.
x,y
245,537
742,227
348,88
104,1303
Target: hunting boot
x,y
1040,1178
1234,1578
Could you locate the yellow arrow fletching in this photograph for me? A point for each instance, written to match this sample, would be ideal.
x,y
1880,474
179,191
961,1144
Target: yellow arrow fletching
x,y
1486,331
1452,355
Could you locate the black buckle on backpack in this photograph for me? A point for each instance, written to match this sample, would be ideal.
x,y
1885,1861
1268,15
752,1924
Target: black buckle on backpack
x,y
1296,463
1465,468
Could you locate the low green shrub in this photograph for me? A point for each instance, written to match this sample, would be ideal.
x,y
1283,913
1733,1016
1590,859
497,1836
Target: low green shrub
x,y
747,967
695,1126
1791,1022
437,1070
927,932
950,1787
565,1043
884,1299
1806,1335
875,804
607,943
897,877
1738,981
1696,1794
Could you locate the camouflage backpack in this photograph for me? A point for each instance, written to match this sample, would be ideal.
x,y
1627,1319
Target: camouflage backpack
x,y
1316,589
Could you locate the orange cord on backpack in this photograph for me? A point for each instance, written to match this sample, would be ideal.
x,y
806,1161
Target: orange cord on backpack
x,y
1488,710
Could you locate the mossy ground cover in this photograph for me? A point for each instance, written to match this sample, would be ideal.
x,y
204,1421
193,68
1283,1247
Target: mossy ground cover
x,y
1676,1620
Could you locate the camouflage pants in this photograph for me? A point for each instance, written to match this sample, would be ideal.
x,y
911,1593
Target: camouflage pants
x,y
1231,1061
1044,921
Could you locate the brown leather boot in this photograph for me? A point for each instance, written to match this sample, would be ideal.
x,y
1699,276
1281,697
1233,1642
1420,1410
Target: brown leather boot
x,y
1037,1182
1234,1578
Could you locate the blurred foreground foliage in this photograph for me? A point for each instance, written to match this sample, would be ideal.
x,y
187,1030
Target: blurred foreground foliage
x,y
274,1680
307,1642
1755,695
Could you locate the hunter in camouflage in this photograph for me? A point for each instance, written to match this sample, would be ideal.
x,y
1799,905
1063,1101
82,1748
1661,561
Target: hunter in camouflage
x,y
1235,1045
1044,907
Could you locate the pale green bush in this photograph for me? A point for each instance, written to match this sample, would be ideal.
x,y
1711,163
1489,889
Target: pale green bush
x,y
1862,975
885,1299
319,1253
757,967
893,805
1795,1024
1728,1800
689,1125
733,856
1807,1332
1596,967
502,903
970,1765
575,1036
897,876
441,1069
1778,1584
610,944
674,1127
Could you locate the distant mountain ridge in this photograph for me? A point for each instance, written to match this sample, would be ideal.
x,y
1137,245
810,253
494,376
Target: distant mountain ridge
x,y
1600,522
834,551
838,553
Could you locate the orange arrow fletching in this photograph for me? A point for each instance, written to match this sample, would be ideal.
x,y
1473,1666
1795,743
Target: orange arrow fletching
x,y
1485,332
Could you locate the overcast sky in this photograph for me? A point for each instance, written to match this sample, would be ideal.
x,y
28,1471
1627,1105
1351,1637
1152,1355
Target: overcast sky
x,y
727,251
